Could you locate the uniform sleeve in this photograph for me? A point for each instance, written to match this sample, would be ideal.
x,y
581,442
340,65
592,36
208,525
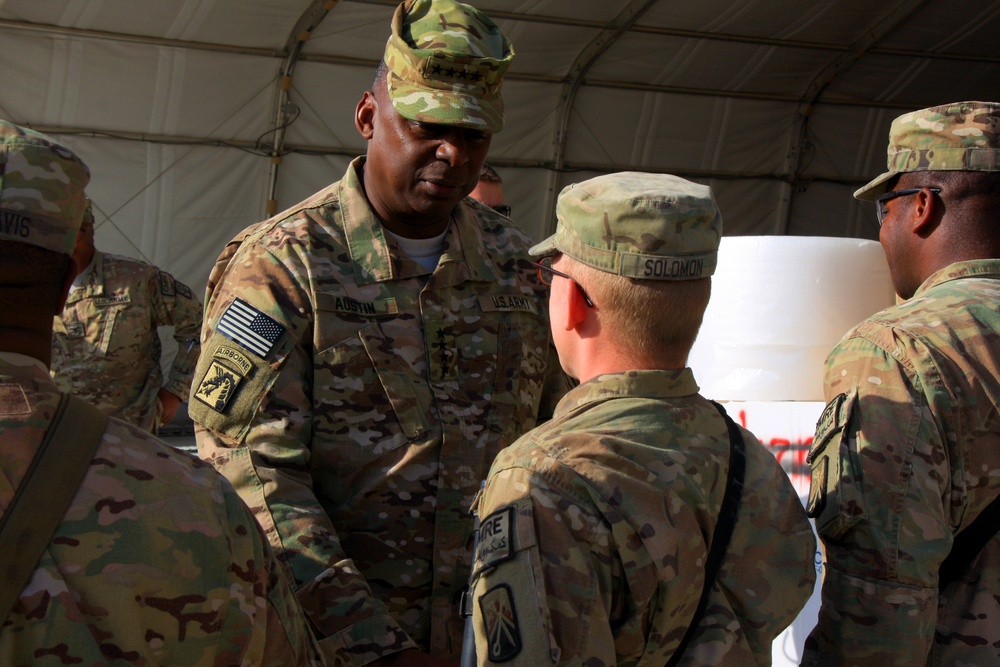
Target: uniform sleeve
x,y
879,482
572,584
176,305
252,405
279,634
524,616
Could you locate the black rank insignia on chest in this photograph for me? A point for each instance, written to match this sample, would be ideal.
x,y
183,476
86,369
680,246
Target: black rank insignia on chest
x,y
503,635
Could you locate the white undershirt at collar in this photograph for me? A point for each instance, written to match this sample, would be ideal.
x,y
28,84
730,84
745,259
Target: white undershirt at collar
x,y
426,252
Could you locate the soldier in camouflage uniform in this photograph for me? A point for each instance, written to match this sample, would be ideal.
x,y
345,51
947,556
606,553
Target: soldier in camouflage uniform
x,y
368,352
105,346
596,525
156,561
907,452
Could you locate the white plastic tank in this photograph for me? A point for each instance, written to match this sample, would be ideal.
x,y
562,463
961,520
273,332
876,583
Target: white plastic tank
x,y
779,305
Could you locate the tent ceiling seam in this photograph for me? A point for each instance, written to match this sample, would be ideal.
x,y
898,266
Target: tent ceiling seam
x,y
285,112
347,151
886,25
570,22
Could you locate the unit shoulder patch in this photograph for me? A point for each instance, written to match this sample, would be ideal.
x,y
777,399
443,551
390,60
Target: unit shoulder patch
x,y
503,633
218,385
183,290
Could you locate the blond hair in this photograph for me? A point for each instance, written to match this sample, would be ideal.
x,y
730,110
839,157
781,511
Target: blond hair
x,y
653,321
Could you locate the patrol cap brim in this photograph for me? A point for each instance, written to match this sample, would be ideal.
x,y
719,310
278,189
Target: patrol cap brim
x,y
546,247
877,186
453,107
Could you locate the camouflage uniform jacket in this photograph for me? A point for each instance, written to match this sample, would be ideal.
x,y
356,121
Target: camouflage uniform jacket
x,y
360,429
156,562
594,535
905,456
105,346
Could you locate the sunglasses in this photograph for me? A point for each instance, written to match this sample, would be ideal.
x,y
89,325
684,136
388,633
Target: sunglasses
x,y
881,199
502,209
545,272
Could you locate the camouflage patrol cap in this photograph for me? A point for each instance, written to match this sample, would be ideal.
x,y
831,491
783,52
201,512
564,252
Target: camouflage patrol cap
x,y
446,63
41,190
964,136
638,225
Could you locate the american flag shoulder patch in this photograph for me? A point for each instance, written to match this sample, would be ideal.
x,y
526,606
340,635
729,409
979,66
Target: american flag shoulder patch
x,y
244,324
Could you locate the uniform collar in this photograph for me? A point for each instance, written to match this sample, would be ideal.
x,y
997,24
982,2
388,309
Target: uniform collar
x,y
655,384
94,284
376,258
973,268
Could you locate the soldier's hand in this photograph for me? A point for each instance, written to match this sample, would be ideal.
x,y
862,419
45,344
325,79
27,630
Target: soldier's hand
x,y
413,658
168,403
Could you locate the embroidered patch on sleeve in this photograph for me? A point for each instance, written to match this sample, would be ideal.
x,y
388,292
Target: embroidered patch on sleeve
x,y
250,328
218,386
496,538
167,286
183,289
503,635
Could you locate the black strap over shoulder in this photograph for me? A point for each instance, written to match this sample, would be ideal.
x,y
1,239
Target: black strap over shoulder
x,y
723,527
969,543
44,495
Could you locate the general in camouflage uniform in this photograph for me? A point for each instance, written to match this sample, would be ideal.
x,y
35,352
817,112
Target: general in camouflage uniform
x,y
105,346
355,386
156,561
596,526
907,453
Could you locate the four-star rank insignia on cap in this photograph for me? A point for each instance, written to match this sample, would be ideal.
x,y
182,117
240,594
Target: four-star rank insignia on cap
x,y
250,328
503,636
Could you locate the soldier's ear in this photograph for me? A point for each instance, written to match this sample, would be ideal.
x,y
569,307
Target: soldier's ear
x,y
364,115
927,211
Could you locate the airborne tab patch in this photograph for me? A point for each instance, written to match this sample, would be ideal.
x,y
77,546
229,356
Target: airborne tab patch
x,y
500,618
250,328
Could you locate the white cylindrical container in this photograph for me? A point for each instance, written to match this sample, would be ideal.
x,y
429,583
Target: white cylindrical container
x,y
779,305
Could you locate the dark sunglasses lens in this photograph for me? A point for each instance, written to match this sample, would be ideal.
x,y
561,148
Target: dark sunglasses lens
x,y
502,209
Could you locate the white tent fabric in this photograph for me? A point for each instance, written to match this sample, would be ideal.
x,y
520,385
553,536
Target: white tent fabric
x,y
199,117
